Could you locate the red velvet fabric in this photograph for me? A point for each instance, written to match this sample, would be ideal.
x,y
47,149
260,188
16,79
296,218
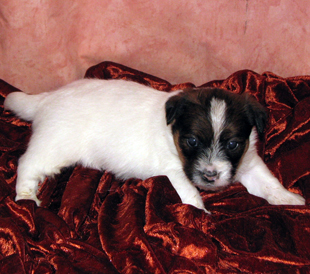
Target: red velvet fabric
x,y
91,223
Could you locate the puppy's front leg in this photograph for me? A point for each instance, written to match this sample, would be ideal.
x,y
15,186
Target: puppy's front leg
x,y
188,193
257,178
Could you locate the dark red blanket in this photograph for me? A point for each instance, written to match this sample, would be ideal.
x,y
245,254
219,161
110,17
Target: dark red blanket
x,y
91,223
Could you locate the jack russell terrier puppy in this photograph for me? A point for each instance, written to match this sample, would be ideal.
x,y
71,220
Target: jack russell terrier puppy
x,y
200,137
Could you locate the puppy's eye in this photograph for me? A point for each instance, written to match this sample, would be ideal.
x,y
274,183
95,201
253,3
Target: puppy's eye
x,y
232,145
192,142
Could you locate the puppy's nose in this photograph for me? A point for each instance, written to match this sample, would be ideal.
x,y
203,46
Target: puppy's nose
x,y
210,176
211,173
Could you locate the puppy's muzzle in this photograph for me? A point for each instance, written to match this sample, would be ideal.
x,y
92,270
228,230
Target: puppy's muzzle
x,y
210,176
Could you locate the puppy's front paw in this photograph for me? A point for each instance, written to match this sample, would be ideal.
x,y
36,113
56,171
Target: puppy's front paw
x,y
285,197
201,206
197,202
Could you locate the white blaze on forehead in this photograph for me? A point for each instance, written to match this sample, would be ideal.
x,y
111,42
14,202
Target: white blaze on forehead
x,y
218,115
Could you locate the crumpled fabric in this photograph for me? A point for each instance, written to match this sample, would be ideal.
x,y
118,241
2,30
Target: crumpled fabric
x,y
89,222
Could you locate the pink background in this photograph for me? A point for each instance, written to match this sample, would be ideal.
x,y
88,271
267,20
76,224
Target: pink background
x,y
45,44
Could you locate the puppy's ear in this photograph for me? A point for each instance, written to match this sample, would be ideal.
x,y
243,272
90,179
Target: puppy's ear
x,y
256,113
174,108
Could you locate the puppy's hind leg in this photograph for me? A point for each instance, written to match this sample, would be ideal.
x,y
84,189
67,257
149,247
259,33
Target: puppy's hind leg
x,y
32,169
28,179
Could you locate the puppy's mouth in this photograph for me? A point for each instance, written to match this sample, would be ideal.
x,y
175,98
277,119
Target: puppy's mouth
x,y
211,182
211,176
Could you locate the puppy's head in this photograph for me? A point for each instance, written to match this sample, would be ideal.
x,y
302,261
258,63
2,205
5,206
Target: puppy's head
x,y
211,129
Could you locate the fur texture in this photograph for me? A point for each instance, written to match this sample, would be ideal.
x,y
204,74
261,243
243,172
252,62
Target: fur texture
x,y
202,137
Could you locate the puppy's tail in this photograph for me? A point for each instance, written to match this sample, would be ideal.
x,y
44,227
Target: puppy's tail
x,y
23,104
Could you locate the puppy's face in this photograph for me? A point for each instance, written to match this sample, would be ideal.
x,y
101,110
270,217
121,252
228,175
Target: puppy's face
x,y
211,129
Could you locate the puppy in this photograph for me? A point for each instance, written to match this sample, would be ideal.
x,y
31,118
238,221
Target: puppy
x,y
202,137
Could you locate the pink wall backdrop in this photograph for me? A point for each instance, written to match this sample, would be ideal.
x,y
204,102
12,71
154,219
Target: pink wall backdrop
x,y
46,44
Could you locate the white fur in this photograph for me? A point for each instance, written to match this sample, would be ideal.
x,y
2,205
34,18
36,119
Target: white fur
x,y
218,116
118,126
257,178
